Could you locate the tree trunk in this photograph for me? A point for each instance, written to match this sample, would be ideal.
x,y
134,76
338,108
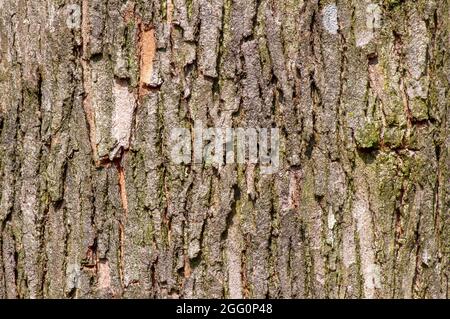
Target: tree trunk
x,y
91,204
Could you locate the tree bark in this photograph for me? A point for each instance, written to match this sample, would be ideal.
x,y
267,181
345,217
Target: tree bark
x,y
92,206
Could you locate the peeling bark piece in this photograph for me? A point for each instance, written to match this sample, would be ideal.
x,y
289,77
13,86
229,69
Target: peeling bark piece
x,y
122,117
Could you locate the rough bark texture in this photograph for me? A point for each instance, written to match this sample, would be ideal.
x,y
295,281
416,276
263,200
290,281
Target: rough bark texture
x,y
91,205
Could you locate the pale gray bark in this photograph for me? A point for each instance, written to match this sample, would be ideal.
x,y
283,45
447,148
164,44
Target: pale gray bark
x,y
91,205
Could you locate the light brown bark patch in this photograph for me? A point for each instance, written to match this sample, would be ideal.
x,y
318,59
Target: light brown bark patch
x,y
122,189
124,202
104,276
187,267
147,54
